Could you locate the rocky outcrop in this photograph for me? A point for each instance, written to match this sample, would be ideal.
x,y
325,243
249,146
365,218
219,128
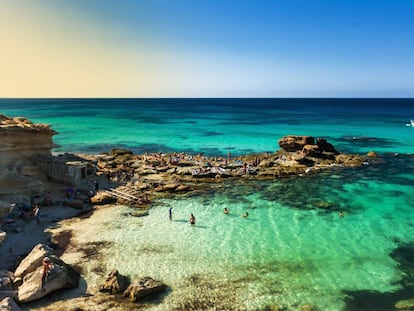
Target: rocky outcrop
x,y
33,260
307,146
114,283
143,287
292,143
159,175
20,142
21,139
36,284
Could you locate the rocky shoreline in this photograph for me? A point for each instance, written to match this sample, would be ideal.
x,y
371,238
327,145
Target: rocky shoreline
x,y
119,177
140,178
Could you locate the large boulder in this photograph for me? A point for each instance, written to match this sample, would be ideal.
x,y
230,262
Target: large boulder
x,y
143,287
293,143
33,287
33,260
114,283
349,160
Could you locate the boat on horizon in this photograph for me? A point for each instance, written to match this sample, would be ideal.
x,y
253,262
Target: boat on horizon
x,y
411,123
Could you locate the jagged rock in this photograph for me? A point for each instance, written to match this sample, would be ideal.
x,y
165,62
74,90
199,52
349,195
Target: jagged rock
x,y
60,276
311,150
8,304
114,283
21,140
142,288
293,143
324,146
33,260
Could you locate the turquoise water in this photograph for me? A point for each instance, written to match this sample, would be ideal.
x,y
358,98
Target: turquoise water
x,y
288,251
216,126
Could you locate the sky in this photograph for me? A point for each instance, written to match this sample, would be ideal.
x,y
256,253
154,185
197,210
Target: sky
x,y
206,48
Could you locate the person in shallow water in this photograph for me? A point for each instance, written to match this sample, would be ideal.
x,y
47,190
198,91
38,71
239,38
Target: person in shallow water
x,y
341,214
170,213
192,220
245,214
226,210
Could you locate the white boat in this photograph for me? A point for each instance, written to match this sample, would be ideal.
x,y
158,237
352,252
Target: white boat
x,y
411,123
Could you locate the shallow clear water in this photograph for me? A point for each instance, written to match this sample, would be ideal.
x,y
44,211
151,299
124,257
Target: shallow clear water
x,y
289,251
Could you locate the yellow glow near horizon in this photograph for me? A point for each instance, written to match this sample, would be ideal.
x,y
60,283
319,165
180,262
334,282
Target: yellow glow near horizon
x,y
44,57
50,52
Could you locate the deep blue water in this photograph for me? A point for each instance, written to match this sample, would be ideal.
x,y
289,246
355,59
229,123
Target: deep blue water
x,y
215,126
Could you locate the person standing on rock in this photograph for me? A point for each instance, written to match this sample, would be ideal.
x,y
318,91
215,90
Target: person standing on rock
x,y
47,266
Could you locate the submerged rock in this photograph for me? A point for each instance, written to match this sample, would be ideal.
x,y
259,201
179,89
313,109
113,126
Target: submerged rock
x,y
143,287
114,283
405,305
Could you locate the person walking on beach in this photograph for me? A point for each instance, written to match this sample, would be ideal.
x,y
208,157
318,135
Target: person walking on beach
x,y
192,220
36,213
170,212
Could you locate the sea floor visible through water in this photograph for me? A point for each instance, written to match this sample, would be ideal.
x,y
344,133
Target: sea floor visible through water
x,y
292,249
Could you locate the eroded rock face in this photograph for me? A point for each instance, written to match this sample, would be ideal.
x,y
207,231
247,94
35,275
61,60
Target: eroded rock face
x,y
36,284
20,142
293,143
21,139
114,283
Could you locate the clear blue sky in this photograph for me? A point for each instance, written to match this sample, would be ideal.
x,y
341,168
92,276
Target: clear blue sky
x,y
209,48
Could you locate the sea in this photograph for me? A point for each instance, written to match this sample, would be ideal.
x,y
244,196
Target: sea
x,y
293,250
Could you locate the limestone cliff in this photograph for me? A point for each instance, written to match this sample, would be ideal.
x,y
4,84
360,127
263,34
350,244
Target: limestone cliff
x,y
20,141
